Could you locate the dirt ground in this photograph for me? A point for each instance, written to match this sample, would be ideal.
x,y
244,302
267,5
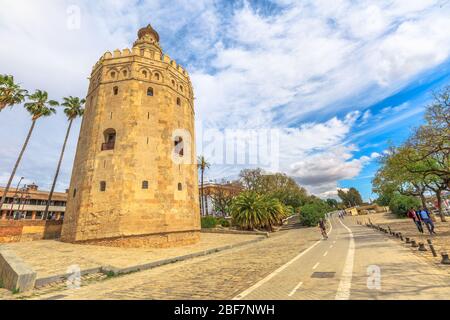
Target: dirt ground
x,y
441,241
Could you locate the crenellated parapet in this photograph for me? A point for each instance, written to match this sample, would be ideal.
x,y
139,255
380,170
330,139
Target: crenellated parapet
x,y
140,63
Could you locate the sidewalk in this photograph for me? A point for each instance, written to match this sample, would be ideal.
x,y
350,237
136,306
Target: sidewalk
x,y
406,226
51,259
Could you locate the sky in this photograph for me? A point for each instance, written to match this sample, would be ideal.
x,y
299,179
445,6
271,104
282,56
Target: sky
x,y
325,86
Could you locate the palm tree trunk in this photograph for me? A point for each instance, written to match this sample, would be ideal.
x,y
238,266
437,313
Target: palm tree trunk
x,y
201,192
13,173
57,171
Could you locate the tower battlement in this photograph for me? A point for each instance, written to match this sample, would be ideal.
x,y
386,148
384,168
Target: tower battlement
x,y
143,53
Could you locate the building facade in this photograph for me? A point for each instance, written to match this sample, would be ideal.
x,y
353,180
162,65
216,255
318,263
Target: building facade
x,y
217,195
134,180
29,203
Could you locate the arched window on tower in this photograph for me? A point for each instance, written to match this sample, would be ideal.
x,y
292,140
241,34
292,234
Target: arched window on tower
x,y
173,83
181,88
150,92
145,74
179,146
125,73
110,139
179,102
113,75
180,186
157,76
116,91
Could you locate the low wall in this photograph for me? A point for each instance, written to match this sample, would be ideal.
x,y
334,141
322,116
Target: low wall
x,y
28,230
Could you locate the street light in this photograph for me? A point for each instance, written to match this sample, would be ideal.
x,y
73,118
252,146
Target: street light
x,y
15,196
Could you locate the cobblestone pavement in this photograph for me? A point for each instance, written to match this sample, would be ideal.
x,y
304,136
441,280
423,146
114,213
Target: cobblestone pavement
x,y
217,276
51,258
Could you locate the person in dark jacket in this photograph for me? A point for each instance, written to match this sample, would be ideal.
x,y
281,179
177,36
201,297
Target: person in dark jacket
x,y
414,216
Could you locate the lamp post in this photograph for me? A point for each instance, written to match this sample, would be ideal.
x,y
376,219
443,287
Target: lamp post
x,y
15,196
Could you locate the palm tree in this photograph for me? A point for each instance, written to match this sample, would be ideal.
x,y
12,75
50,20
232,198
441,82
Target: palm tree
x,y
202,164
73,109
249,211
38,106
10,92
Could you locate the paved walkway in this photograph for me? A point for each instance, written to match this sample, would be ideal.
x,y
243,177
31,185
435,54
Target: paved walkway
x,y
50,258
217,276
294,264
354,263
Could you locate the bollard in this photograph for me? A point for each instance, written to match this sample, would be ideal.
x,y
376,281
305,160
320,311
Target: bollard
x,y
390,231
401,236
414,244
397,235
422,247
408,240
430,244
445,259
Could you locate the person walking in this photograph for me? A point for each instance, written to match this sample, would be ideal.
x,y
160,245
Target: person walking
x,y
425,216
415,218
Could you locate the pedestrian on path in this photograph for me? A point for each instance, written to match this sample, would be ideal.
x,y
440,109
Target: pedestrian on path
x,y
425,216
415,218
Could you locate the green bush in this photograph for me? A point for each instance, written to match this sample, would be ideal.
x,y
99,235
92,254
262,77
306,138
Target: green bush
x,y
311,213
208,222
224,222
400,204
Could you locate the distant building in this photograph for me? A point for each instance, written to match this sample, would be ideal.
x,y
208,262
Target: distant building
x,y
366,209
212,190
29,203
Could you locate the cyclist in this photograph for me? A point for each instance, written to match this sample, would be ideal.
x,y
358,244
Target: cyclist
x,y
323,228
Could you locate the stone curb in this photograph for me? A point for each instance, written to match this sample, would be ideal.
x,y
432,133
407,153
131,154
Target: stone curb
x,y
52,279
258,233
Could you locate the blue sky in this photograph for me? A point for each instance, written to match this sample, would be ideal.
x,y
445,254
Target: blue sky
x,y
337,80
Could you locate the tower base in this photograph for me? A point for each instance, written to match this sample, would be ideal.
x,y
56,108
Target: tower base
x,y
158,240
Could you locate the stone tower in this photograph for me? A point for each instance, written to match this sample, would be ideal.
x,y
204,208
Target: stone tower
x,y
134,181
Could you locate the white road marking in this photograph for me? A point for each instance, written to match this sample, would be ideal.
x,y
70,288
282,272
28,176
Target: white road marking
x,y
316,265
343,291
280,269
295,289
325,254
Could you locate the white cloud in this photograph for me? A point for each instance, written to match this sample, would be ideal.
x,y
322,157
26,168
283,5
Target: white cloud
x,y
291,69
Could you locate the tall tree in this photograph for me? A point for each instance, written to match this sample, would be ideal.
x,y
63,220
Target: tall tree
x,y
350,198
397,174
276,185
10,92
202,164
223,196
38,106
431,141
73,108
